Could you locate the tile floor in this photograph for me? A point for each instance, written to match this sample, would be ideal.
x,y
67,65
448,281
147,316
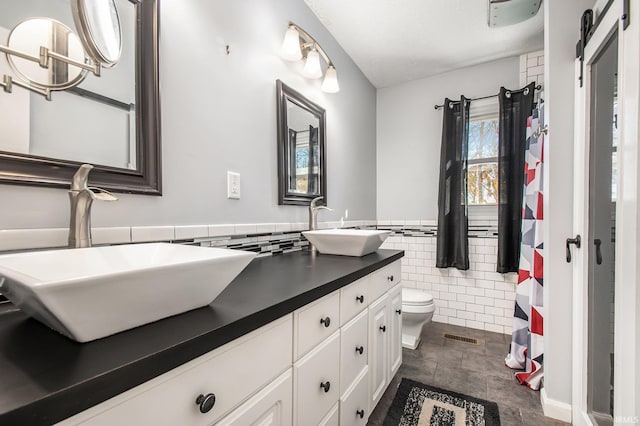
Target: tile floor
x,y
475,370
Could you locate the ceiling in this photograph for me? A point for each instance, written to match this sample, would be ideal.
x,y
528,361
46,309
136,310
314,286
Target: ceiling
x,y
395,41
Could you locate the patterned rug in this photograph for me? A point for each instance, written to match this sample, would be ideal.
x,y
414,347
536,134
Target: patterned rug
x,y
417,404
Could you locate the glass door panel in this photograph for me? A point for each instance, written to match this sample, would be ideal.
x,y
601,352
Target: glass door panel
x,y
601,242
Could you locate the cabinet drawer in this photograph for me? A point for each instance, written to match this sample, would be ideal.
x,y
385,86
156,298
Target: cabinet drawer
x,y
232,373
315,322
384,279
354,407
316,382
332,418
353,299
271,406
354,350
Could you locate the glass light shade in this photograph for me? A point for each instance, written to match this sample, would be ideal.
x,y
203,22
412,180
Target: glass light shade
x,y
291,45
312,65
330,82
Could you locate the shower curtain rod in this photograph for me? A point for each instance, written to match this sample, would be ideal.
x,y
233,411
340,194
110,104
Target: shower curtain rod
x,y
538,87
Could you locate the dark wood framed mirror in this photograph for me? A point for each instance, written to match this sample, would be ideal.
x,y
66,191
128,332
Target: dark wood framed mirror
x,y
301,148
143,173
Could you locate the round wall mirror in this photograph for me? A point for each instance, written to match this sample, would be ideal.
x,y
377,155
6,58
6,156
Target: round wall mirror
x,y
99,26
28,36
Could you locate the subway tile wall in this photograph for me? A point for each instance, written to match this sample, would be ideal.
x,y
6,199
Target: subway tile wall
x,y
532,69
478,298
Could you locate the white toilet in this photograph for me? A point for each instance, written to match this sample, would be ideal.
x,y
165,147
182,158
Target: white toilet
x,y
417,310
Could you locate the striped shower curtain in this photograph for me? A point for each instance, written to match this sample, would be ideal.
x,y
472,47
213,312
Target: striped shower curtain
x,y
526,352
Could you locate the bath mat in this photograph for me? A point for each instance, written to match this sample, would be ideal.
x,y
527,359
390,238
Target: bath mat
x,y
417,404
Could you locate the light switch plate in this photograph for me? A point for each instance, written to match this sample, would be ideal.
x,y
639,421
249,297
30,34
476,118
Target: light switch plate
x,y
233,185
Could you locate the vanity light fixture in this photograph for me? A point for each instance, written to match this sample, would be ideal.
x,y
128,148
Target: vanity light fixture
x,y
297,45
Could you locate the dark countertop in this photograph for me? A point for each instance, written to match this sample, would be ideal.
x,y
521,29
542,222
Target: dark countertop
x,y
45,377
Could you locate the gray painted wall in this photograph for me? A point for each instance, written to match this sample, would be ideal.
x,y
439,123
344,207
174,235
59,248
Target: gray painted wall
x,y
410,132
219,114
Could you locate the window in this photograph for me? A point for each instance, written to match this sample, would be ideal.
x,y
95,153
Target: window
x,y
482,162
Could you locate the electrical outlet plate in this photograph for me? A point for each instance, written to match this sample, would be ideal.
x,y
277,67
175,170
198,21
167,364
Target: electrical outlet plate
x,y
233,185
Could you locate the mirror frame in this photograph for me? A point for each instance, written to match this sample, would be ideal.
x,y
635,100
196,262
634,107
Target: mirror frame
x,y
25,169
286,197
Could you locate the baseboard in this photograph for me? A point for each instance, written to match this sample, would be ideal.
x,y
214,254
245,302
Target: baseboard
x,y
555,409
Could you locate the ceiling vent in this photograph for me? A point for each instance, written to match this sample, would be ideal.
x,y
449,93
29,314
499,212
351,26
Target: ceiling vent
x,y
509,12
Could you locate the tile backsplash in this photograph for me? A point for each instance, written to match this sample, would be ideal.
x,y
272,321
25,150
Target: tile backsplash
x,y
478,298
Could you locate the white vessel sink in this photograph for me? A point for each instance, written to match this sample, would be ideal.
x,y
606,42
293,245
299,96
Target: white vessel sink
x,y
90,293
346,242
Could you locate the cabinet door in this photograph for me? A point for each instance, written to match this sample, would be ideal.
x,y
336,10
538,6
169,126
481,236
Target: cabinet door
x,y
272,406
316,379
378,348
354,350
395,330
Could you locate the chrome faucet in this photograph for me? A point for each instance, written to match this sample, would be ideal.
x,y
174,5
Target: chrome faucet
x,y
81,197
313,217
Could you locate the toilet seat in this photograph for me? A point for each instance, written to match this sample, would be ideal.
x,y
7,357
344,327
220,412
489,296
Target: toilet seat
x,y
417,302
411,296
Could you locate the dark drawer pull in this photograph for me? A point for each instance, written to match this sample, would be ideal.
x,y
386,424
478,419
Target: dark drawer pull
x,y
390,278
206,402
326,321
360,349
399,311
326,386
360,298
383,328
360,413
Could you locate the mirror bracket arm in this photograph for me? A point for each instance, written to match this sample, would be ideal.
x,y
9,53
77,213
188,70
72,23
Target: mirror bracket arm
x,y
7,84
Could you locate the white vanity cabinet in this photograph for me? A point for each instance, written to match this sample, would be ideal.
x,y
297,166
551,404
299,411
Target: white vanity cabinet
x,y
385,329
224,378
327,363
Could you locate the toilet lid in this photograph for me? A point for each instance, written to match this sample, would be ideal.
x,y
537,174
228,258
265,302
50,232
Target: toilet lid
x,y
411,296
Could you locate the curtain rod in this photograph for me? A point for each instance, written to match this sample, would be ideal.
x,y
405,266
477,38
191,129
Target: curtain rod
x,y
538,87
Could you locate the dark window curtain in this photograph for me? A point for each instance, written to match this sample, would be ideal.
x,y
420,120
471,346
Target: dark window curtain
x,y
312,171
292,159
515,109
452,242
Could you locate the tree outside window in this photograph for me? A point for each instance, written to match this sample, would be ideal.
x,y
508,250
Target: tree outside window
x,y
482,163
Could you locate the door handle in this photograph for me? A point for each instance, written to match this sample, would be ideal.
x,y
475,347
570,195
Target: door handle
x,y
598,242
577,241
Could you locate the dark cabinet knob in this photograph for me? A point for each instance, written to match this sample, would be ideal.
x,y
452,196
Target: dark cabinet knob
x,y
390,278
206,402
326,321
360,298
399,311
360,413
360,349
326,386
383,328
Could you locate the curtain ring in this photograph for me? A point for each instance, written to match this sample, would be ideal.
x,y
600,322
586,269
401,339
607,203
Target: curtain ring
x,y
526,91
507,94
450,105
